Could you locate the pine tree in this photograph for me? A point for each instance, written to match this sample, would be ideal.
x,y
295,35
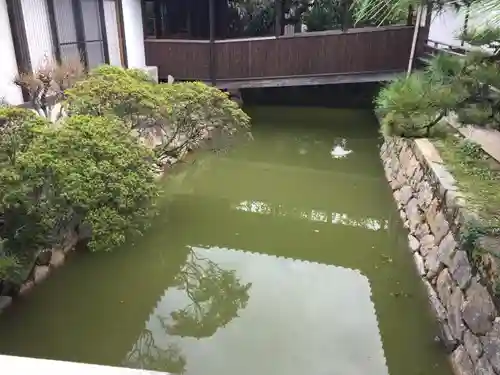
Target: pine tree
x,y
414,106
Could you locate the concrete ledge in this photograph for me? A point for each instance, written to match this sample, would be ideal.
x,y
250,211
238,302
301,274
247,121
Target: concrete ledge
x,y
434,211
488,139
22,365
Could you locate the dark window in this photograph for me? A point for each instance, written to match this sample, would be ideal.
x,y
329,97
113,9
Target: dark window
x,y
177,19
80,32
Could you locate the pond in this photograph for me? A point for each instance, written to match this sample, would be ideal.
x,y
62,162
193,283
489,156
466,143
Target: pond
x,y
282,256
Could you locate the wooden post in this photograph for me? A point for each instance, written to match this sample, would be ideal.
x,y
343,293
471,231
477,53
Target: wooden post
x,y
21,49
346,16
121,33
53,30
159,32
414,43
466,22
104,34
409,19
213,62
278,10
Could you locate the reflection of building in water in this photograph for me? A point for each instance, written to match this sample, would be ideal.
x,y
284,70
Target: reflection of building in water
x,y
301,318
312,215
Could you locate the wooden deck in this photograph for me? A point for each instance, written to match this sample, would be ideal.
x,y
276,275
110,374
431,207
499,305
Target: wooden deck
x,y
356,55
312,80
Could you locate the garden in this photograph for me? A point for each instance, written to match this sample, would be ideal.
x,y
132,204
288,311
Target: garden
x,y
87,154
444,101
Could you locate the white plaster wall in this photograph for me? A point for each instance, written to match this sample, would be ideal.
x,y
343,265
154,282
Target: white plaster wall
x,y
110,18
8,65
38,32
446,25
134,35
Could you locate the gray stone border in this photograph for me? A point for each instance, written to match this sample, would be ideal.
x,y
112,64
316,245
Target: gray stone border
x,y
434,211
46,262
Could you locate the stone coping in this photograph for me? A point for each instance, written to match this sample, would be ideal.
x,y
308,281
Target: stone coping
x,y
434,211
488,139
24,365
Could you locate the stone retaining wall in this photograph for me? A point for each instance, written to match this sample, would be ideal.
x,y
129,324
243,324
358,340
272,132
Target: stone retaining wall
x,y
434,212
45,263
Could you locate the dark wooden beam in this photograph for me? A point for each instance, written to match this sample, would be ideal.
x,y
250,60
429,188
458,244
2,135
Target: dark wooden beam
x,y
278,10
158,19
143,13
409,19
21,49
189,21
213,62
104,34
80,32
346,15
121,33
53,30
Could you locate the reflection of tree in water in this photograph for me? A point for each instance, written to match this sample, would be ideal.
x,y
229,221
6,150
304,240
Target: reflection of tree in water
x,y
215,297
147,355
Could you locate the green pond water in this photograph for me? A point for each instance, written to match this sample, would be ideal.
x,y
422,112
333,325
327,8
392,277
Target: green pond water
x,y
283,256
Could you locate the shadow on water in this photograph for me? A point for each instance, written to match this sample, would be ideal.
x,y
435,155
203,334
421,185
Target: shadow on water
x,y
283,256
352,95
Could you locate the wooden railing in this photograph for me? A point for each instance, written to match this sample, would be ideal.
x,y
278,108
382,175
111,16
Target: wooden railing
x,y
366,50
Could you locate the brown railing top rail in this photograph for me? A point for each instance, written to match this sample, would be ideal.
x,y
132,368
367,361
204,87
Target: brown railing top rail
x,y
297,35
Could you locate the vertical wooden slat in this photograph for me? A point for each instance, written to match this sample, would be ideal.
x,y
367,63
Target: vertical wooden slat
x,y
104,34
21,49
213,61
346,15
80,32
16,19
53,29
158,19
121,33
278,10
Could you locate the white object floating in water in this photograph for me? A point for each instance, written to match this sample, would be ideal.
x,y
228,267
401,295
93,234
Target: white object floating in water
x,y
339,151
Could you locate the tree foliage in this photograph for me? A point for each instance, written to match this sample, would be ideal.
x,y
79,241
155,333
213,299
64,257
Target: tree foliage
x,y
47,84
87,170
413,106
104,176
94,167
172,116
25,221
324,15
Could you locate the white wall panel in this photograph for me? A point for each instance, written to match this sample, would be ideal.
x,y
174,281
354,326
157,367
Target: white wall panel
x,y
111,19
134,34
8,65
38,32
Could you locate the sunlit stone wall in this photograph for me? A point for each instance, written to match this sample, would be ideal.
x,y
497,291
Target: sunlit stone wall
x,y
434,212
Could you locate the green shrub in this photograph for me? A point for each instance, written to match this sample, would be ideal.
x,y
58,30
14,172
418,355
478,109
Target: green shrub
x,y
181,112
24,206
414,106
9,266
98,172
89,170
